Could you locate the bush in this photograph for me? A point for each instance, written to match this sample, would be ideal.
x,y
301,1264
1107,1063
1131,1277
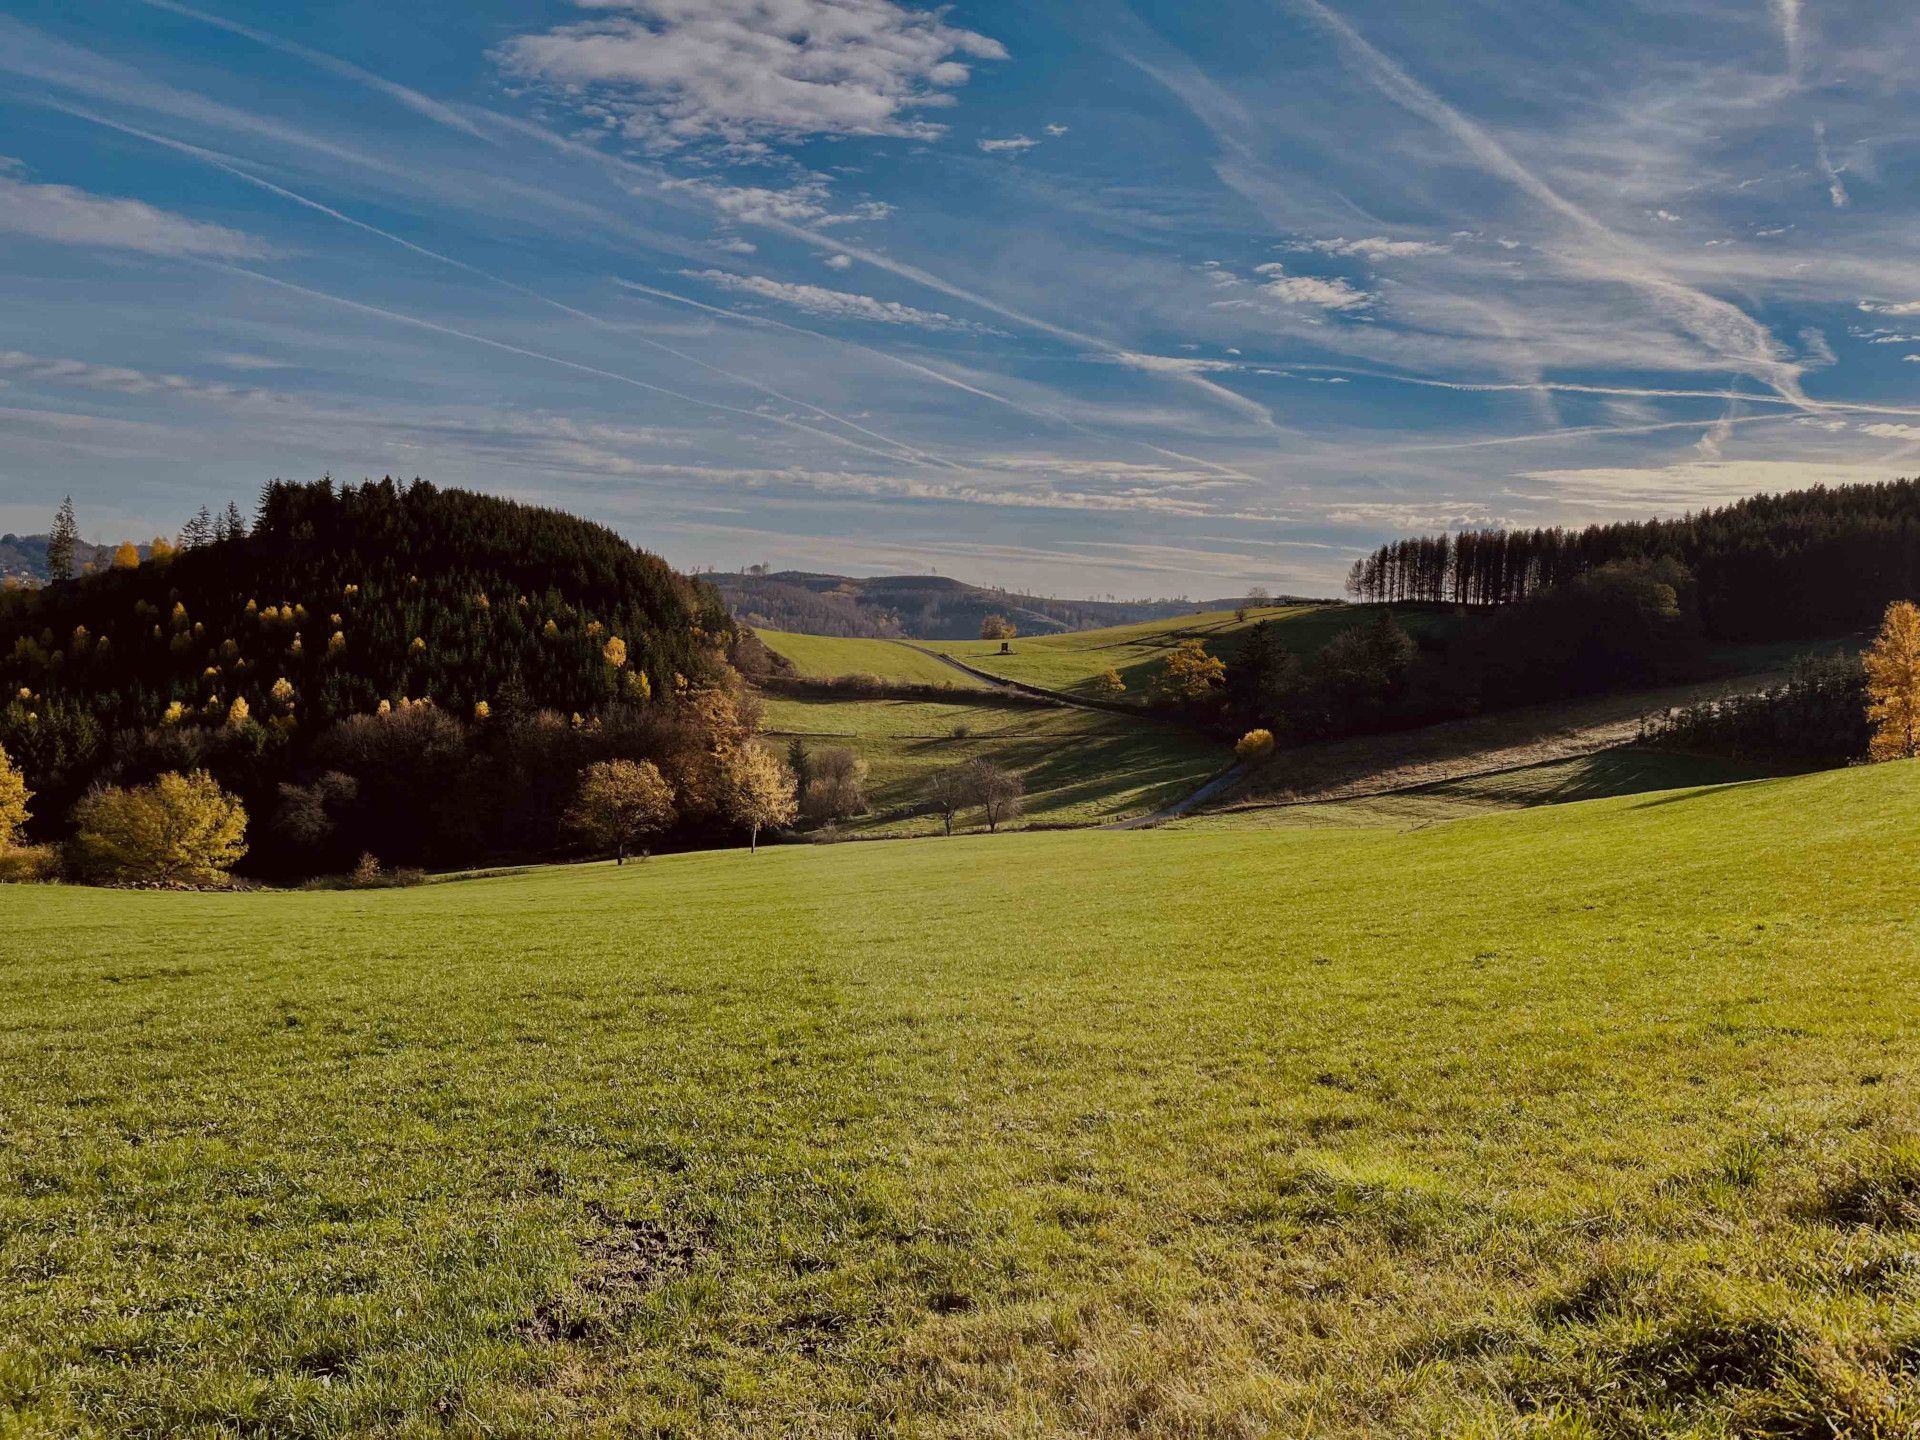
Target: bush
x,y
29,864
182,829
1254,746
835,787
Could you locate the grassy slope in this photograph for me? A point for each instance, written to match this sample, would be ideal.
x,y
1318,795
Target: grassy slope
x,y
1606,1107
827,656
1628,771
1080,767
1070,663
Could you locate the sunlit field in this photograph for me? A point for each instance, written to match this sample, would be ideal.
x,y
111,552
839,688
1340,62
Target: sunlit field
x,y
1588,1120
829,656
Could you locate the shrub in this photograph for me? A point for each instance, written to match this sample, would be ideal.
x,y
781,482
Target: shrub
x,y
14,796
835,787
181,829
1254,746
29,864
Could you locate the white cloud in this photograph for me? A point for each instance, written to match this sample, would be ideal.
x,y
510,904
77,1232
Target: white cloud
x,y
73,217
838,304
120,379
753,71
1013,144
1377,247
734,245
1171,364
1334,294
1891,307
839,262
1665,215
1056,131
1893,432
237,360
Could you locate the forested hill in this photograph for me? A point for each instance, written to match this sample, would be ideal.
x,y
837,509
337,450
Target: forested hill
x,y
248,655
1806,563
24,557
921,607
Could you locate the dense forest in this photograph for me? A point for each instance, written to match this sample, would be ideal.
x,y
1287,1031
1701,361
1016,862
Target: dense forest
x,y
1801,565
403,670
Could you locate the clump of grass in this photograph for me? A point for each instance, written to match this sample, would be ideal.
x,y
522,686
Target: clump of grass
x,y
1880,1191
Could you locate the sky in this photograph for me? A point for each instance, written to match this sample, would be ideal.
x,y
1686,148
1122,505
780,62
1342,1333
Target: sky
x,y
1095,297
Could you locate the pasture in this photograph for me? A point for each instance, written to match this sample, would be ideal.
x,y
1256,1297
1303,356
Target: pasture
x,y
1584,1120
1070,663
829,656
1080,767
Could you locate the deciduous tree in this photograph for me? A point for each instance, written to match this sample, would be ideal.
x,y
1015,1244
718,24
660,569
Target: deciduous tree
x,y
1893,684
14,796
757,790
1254,746
1108,685
1190,675
181,828
949,791
620,803
998,627
999,793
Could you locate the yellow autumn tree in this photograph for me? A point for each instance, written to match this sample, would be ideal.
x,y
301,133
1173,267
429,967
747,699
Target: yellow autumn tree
x,y
14,796
182,828
1893,684
758,790
127,557
1254,746
1108,685
615,652
621,802
1189,676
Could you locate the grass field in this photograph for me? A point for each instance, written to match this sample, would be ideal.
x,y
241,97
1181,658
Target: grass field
x,y
1080,767
1070,663
1590,1120
829,656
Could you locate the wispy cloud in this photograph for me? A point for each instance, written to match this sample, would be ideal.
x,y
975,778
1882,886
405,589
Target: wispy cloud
x,y
1012,144
838,304
1377,247
67,216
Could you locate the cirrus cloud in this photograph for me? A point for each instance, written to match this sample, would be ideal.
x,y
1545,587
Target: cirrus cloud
x,y
836,304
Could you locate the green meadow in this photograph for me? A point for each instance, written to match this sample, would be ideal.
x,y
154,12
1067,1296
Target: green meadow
x,y
1080,767
1070,663
1585,1120
830,656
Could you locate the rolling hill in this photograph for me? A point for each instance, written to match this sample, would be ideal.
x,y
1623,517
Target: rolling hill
x,y
1593,1119
921,607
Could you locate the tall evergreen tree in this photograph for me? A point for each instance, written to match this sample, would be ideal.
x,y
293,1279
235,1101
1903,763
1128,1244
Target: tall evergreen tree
x,y
62,543
198,531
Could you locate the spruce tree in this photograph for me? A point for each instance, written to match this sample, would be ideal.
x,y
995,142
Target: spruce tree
x,y
62,543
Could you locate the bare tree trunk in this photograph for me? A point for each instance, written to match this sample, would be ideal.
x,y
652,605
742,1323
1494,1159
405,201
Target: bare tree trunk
x,y
753,839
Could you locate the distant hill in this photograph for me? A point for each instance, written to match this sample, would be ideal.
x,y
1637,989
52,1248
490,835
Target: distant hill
x,y
921,607
24,557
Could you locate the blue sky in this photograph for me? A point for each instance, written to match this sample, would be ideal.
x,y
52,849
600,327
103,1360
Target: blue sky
x,y
1131,298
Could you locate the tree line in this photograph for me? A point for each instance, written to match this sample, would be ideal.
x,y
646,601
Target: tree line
x,y
1798,565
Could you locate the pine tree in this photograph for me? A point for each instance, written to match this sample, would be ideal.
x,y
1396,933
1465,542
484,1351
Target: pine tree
x,y
62,543
198,531
1893,684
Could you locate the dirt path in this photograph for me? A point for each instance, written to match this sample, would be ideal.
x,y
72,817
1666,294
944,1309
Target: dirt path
x,y
1000,682
1461,749
1219,784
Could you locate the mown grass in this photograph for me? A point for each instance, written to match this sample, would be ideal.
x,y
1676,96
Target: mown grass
x,y
1070,663
1590,1120
1080,767
829,656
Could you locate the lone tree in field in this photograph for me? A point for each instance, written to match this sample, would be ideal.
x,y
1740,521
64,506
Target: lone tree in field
x,y
837,787
14,796
949,791
998,627
1893,684
1254,746
621,802
1108,685
181,828
757,790
62,543
997,792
